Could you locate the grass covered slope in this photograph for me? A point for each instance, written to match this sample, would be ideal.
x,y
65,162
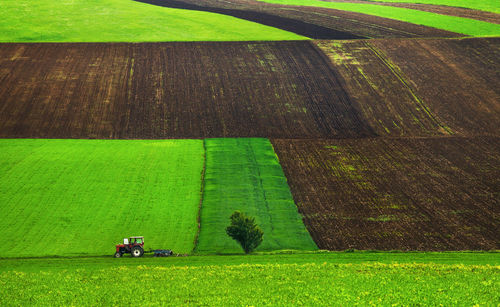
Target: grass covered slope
x,y
245,175
122,21
450,23
74,197
216,280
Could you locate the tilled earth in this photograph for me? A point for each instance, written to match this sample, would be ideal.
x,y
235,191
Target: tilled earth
x,y
397,193
313,22
172,90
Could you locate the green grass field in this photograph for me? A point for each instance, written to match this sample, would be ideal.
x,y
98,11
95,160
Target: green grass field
x,y
298,279
450,23
122,21
245,175
483,5
75,197
81,197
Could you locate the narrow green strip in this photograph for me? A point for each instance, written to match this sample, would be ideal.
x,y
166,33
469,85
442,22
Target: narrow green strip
x,y
449,23
245,175
483,5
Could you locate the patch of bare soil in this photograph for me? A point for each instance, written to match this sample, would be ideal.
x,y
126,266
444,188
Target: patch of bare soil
x,y
397,193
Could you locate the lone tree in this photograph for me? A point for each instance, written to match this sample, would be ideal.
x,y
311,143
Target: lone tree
x,y
244,230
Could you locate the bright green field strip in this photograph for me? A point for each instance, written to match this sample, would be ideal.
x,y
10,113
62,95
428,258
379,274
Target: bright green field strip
x,y
122,21
299,257
245,175
278,283
483,5
450,23
74,197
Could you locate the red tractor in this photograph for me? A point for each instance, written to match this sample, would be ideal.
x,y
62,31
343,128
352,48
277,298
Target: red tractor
x,y
132,245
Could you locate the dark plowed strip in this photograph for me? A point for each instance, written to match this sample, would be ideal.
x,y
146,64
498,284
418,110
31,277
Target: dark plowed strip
x,y
296,26
438,9
173,90
422,87
397,194
456,79
355,24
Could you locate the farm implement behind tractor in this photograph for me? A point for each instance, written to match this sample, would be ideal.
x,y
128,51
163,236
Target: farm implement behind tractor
x,y
135,247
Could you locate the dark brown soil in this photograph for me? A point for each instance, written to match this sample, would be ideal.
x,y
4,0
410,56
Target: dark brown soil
x,y
458,80
360,88
173,90
289,24
315,22
422,87
397,194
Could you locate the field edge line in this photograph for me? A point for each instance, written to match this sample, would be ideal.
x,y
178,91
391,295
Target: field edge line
x,y
200,204
295,202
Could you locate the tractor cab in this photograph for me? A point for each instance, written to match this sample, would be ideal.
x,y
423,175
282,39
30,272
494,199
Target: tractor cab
x,y
132,245
133,240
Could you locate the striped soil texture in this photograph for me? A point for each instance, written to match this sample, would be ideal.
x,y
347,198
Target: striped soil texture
x,y
313,22
398,193
172,90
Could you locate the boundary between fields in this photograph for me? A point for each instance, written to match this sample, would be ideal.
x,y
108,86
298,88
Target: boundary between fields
x,y
202,194
309,30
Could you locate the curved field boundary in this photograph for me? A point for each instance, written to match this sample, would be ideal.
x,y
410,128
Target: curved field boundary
x,y
359,25
465,26
245,175
81,197
292,25
122,21
438,9
396,193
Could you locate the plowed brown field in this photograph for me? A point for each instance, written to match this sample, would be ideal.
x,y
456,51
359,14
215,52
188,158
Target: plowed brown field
x,y
406,194
422,87
313,22
251,89
172,90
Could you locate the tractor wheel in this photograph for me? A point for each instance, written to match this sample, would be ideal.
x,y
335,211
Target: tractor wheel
x,y
137,251
118,255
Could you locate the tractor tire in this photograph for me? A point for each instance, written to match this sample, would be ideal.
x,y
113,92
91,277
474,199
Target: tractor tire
x,y
118,255
137,251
